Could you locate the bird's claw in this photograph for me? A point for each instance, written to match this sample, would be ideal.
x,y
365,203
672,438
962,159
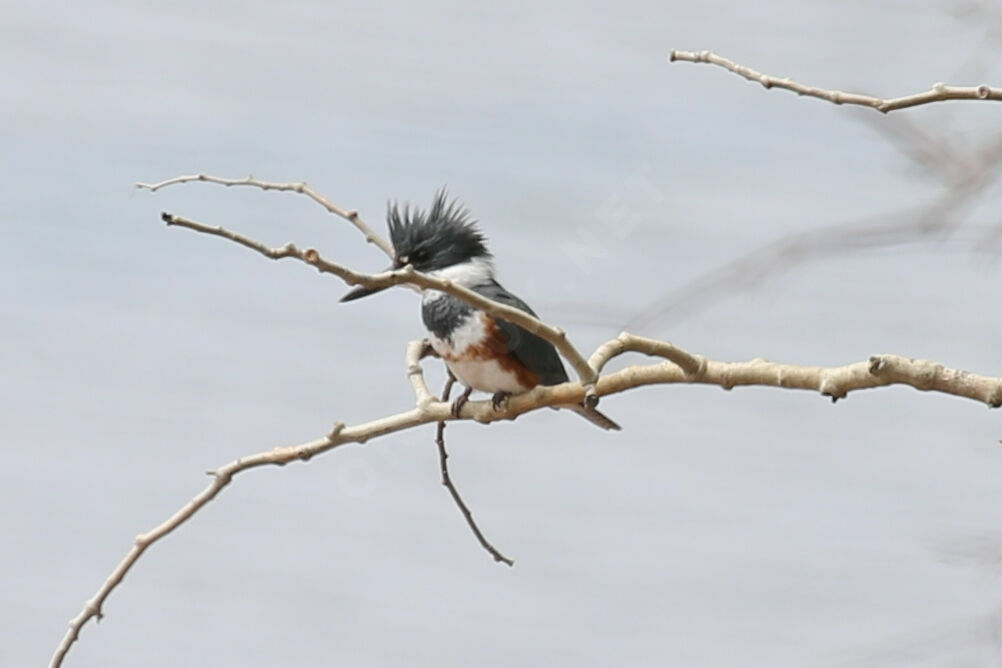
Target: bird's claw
x,y
498,399
460,401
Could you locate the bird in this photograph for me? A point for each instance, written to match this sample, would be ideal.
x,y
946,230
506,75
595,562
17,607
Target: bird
x,y
482,351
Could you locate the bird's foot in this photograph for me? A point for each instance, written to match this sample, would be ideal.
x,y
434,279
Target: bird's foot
x,y
460,401
498,399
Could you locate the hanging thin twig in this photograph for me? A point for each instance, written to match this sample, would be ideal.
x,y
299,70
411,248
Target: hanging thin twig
x,y
443,460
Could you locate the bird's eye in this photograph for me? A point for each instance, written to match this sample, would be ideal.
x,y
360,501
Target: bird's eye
x,y
420,255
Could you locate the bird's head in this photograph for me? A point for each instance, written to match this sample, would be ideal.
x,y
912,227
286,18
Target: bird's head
x,y
436,240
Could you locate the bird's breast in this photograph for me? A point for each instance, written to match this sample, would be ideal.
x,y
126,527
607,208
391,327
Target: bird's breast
x,y
478,354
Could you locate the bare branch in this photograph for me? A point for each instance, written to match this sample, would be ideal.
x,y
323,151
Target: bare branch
x,y
408,276
834,382
938,93
443,465
350,215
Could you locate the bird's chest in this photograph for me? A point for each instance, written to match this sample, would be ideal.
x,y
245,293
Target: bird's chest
x,y
476,351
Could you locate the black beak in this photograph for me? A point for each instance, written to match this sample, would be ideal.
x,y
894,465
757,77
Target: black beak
x,y
360,292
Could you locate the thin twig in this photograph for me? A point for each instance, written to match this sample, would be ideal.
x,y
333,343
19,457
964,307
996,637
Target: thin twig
x,y
443,461
938,93
408,276
351,215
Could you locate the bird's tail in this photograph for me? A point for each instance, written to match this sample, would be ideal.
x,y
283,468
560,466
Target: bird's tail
x,y
596,417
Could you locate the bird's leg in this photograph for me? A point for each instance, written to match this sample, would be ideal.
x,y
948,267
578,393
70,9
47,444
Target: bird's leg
x,y
498,399
457,405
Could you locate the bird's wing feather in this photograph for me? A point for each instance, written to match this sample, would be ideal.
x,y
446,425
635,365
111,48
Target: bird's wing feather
x,y
531,350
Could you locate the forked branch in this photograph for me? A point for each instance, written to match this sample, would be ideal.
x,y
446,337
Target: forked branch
x,y
833,382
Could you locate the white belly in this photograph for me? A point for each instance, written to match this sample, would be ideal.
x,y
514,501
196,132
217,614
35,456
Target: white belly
x,y
486,376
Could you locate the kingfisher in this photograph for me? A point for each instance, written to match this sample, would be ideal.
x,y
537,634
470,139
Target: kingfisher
x,y
483,352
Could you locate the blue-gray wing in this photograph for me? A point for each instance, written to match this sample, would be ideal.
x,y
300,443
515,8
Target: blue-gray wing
x,y
535,352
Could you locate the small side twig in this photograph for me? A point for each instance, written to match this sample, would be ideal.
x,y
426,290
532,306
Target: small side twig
x,y
417,351
443,459
938,93
300,187
691,365
626,342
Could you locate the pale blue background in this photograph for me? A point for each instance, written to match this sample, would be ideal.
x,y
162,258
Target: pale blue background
x,y
751,528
